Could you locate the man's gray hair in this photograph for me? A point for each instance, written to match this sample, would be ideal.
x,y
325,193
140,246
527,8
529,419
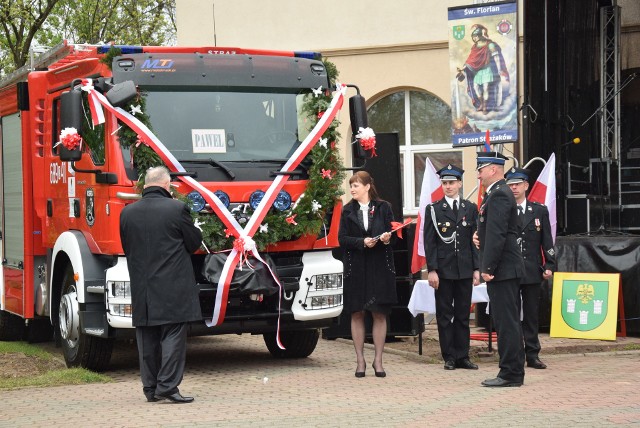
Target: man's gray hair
x,y
157,176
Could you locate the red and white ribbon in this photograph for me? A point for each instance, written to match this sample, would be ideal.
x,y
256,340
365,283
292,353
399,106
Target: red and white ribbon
x,y
96,100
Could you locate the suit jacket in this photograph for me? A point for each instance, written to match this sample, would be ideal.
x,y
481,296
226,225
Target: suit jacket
x,y
158,236
458,259
498,234
536,239
369,273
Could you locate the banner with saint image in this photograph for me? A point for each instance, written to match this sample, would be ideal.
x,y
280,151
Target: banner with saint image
x,y
483,63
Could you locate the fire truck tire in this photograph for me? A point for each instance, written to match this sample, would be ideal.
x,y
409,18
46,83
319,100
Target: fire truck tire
x,y
298,344
80,350
11,326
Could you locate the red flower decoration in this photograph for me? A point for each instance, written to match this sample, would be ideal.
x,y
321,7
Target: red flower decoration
x,y
367,140
70,138
238,245
333,144
292,220
320,114
326,173
140,141
228,233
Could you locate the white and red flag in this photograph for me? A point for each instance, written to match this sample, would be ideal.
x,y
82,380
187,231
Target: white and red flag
x,y
431,191
544,192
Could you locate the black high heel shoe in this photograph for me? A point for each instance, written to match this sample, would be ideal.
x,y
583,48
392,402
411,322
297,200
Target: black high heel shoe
x,y
379,374
361,374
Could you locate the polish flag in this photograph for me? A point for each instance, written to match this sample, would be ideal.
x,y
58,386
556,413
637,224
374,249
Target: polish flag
x,y
544,191
431,191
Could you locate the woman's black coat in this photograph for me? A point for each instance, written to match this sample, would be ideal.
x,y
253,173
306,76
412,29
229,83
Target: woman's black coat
x,y
158,236
369,273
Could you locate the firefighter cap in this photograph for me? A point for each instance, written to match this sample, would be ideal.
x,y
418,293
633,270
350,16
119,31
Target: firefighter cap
x,y
450,173
516,175
488,158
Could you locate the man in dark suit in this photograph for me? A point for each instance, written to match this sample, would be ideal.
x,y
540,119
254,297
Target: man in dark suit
x,y
538,254
501,266
452,262
158,236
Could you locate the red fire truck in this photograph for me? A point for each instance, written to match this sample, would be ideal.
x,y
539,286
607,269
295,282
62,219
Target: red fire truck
x,y
63,272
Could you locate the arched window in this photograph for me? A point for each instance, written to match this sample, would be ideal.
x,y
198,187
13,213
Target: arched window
x,y
423,123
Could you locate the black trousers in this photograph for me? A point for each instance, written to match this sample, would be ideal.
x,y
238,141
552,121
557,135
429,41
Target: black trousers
x,y
453,303
162,350
530,309
504,297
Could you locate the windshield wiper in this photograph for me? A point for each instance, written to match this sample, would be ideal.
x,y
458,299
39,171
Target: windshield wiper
x,y
211,162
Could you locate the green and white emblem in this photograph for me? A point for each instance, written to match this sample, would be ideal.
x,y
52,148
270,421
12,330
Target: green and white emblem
x,y
458,32
584,303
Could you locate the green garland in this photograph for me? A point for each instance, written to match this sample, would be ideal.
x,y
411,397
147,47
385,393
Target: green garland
x,y
307,214
321,190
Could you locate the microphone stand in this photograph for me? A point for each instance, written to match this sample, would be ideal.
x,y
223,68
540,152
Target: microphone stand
x,y
624,84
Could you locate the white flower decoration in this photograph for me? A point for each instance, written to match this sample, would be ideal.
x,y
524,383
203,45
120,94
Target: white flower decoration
x,y
323,142
364,133
264,228
315,206
136,109
317,92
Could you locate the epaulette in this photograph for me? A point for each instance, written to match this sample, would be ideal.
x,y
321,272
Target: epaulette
x,y
536,203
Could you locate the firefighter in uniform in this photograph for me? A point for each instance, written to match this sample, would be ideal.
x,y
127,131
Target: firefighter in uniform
x,y
536,244
452,262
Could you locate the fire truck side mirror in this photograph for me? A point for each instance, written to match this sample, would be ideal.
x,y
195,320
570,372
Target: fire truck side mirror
x,y
71,116
121,93
358,116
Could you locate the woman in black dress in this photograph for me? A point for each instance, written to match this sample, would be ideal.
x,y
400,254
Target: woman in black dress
x,y
369,272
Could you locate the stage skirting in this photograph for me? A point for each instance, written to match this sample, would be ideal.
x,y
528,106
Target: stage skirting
x,y
605,254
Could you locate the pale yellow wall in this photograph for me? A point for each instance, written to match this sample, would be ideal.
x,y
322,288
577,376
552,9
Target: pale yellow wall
x,y
298,25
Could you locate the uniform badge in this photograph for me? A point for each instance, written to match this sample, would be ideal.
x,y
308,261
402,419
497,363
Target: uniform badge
x,y
447,224
444,229
537,222
464,223
481,219
551,252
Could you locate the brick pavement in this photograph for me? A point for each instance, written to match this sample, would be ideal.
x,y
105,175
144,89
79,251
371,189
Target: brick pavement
x,y
236,383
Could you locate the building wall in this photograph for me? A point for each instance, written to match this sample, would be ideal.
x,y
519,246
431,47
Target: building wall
x,y
381,46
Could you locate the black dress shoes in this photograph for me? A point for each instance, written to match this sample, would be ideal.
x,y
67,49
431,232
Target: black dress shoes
x,y
466,364
152,398
499,382
449,365
536,364
175,398
381,373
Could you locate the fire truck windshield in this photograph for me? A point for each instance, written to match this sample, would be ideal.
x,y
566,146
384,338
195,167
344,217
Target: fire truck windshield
x,y
227,126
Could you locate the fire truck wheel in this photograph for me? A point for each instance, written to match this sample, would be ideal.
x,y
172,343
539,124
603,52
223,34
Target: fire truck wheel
x,y
11,326
80,350
298,344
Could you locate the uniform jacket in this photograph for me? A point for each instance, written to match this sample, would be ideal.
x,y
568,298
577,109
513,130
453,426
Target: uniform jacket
x,y
458,259
498,234
535,238
369,273
158,236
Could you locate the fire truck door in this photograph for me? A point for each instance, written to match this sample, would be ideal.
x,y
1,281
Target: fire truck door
x,y
12,215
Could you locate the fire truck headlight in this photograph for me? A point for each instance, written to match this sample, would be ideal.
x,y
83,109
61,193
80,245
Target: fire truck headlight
x,y
255,198
121,289
283,201
328,281
196,201
224,198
